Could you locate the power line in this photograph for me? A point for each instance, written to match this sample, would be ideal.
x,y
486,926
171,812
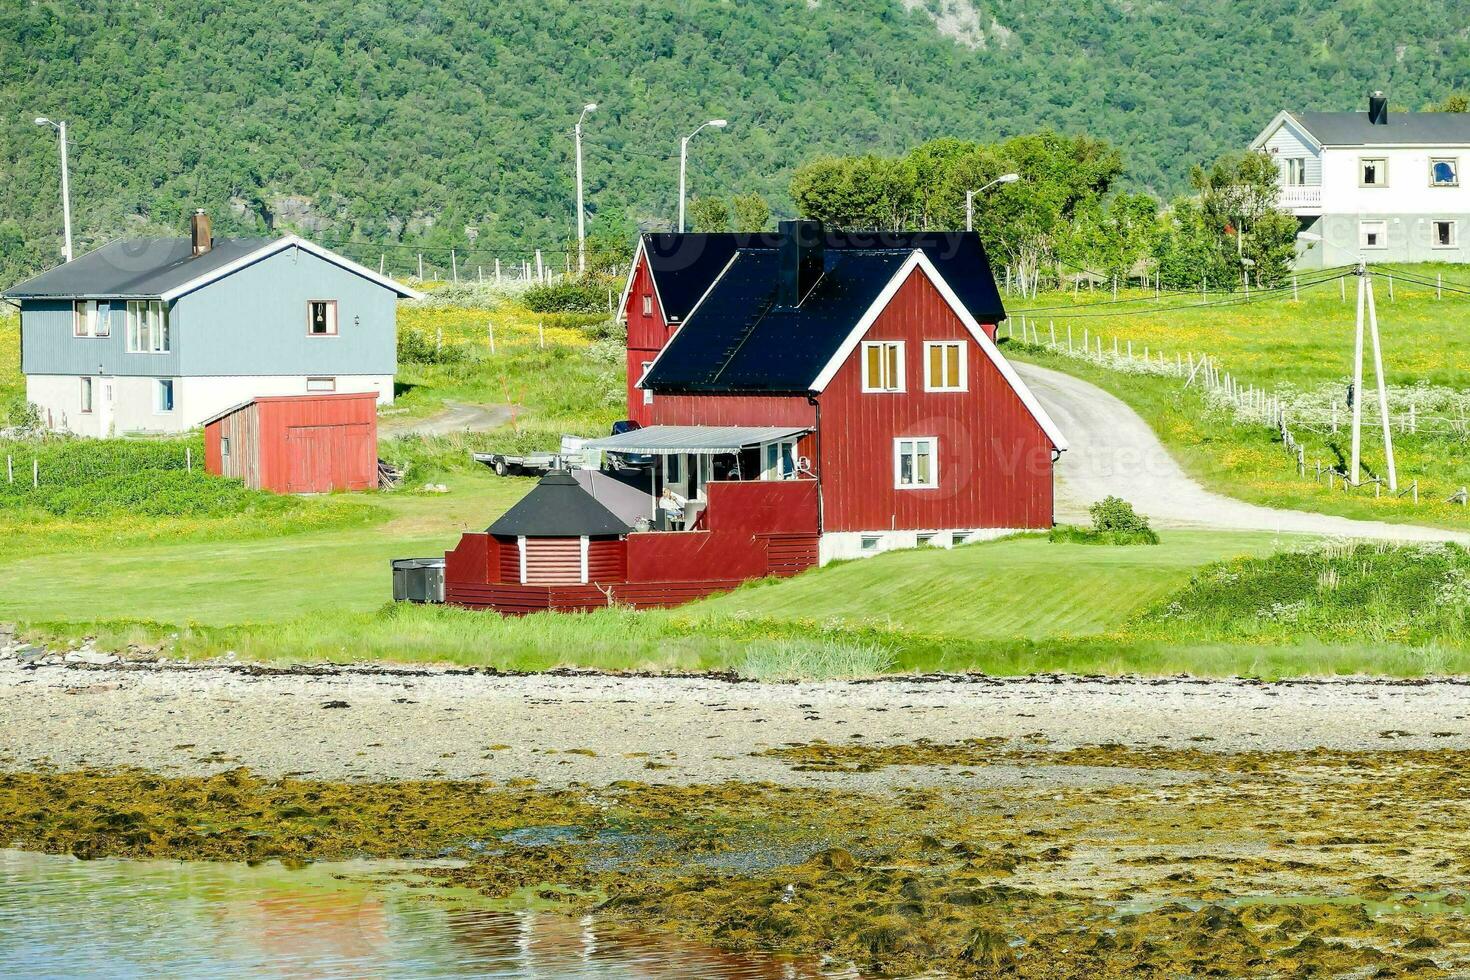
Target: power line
x,y
1171,289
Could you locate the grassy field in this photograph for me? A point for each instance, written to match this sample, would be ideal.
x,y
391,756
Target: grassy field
x,y
1301,351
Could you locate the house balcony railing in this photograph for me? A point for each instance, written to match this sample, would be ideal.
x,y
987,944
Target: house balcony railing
x,y
1298,199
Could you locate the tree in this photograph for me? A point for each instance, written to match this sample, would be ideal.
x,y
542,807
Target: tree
x,y
709,214
1454,102
1238,196
752,213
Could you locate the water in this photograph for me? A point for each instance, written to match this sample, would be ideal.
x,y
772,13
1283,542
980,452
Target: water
x,y
64,918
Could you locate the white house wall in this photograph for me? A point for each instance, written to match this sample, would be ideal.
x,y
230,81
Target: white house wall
x,y
134,399
1288,143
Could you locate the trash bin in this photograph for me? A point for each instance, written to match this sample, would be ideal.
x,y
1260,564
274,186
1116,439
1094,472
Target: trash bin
x,y
418,579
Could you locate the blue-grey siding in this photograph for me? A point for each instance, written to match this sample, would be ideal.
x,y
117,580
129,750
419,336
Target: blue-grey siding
x,y
252,322
48,347
1286,143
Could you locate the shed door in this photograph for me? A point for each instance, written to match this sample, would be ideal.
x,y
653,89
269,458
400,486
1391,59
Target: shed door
x,y
309,458
553,561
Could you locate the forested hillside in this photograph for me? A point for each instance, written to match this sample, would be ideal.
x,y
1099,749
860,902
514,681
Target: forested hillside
x,y
409,121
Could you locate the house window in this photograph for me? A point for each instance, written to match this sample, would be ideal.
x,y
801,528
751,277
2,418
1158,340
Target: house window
x,y
647,392
647,305
1444,234
224,447
89,320
148,327
1444,172
673,468
86,396
1296,171
1373,234
883,366
944,366
163,397
321,384
916,463
779,460
1373,173
321,317
871,542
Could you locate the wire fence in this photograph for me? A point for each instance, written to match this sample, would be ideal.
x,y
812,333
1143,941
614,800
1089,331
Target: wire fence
x,y
51,464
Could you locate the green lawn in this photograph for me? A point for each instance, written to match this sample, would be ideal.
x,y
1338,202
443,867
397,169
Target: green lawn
x,y
1021,587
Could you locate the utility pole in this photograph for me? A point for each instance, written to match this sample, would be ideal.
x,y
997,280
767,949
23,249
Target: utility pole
x,y
60,128
684,162
1393,476
1357,392
581,212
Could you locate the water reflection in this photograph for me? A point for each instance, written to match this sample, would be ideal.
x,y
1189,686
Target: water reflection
x,y
60,917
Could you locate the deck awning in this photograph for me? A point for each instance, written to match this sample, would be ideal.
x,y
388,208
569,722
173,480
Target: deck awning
x,y
665,440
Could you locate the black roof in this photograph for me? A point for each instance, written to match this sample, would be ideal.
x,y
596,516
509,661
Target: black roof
x,y
684,265
558,507
1354,128
135,267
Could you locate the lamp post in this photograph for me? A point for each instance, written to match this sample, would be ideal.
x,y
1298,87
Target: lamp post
x,y
60,128
581,213
684,162
970,197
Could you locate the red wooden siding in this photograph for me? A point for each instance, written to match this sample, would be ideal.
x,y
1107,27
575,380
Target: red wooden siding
x,y
652,568
299,443
733,410
647,335
607,560
995,467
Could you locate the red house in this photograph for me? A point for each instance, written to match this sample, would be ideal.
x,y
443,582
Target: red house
x,y
818,397
297,443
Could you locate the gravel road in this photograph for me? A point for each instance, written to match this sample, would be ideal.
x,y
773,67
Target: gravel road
x,y
594,729
455,417
1114,451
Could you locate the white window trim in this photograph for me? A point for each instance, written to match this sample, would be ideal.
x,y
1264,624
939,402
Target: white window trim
x,y
648,304
130,341
774,472
963,348
87,395
332,322
100,328
1454,233
1363,235
583,544
902,367
158,408
1383,162
933,483
318,379
1453,161
521,547
647,392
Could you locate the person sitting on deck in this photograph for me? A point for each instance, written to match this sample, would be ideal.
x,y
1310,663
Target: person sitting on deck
x,y
672,504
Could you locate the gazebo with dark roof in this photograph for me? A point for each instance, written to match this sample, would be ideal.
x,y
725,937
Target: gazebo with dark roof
x,y
559,534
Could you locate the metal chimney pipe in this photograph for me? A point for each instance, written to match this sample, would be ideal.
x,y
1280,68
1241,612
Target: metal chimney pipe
x,y
201,232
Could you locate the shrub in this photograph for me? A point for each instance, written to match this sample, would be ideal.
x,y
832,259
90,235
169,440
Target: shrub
x,y
585,295
415,347
1114,521
824,658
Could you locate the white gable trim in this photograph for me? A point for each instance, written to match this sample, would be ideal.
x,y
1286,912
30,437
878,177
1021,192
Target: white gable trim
x,y
918,260
669,340
638,253
280,245
628,286
1285,118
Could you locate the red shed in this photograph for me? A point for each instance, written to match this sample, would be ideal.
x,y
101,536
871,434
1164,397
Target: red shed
x,y
297,443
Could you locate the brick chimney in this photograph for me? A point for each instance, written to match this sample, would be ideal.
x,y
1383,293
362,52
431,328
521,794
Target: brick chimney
x,y
200,232
1378,109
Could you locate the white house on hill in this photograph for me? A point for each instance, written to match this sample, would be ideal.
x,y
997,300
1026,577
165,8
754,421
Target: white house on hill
x,y
1377,185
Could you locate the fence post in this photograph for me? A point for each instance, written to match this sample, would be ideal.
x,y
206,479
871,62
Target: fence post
x,y
188,459
10,469
541,334
1069,338
421,267
490,329
1051,326
35,473
1416,491
1390,287
497,272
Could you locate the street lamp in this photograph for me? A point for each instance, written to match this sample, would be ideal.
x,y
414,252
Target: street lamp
x,y
581,214
970,197
60,128
684,162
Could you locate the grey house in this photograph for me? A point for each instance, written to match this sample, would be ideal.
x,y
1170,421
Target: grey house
x,y
1379,186
159,334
